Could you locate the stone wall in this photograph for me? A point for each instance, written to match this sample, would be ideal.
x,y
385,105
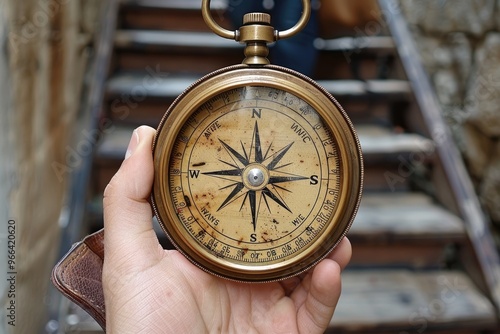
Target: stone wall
x,y
460,48
43,55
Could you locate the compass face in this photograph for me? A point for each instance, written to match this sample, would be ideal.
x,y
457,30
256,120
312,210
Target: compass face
x,y
254,184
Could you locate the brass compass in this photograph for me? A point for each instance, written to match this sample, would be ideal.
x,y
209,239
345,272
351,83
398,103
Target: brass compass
x,y
258,170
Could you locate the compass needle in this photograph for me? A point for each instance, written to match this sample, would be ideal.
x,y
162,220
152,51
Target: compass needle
x,y
267,151
280,179
228,163
227,172
268,193
232,195
244,201
244,151
258,148
279,187
234,153
279,156
253,207
267,203
229,186
283,166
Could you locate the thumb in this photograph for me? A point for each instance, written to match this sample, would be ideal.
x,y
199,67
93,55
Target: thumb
x,y
129,234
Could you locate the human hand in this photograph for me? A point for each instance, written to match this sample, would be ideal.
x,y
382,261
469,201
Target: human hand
x,y
151,290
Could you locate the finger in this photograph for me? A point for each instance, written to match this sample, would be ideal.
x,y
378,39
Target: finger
x,y
127,212
290,284
342,253
316,312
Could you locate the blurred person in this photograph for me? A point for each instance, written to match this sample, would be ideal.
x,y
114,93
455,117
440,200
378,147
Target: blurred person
x,y
297,52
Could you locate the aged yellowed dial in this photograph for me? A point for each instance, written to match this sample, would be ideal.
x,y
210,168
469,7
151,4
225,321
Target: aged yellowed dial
x,y
258,170
258,173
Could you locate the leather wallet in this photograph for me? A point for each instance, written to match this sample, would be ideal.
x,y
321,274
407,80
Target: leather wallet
x,y
78,276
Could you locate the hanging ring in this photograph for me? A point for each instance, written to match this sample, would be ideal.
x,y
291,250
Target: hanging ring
x,y
225,33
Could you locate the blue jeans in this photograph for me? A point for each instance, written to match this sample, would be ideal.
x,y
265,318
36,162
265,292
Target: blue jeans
x,y
297,52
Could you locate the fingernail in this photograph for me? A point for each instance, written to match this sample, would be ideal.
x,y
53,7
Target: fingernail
x,y
132,145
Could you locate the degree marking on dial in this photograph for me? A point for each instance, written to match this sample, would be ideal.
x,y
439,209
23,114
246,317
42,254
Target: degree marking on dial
x,y
262,191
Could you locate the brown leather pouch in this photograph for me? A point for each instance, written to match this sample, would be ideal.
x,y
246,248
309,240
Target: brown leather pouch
x,y
79,276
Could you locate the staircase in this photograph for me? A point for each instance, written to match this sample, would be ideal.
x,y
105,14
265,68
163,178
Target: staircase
x,y
419,264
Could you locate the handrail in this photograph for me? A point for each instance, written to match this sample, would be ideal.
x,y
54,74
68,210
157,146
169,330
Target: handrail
x,y
467,202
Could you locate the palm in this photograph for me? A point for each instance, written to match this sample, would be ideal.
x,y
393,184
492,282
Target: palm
x,y
183,299
151,290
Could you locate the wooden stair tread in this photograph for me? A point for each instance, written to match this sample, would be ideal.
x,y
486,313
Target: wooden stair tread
x,y
388,89
172,85
379,140
196,39
365,44
168,86
175,15
174,4
162,39
333,60
406,216
126,37
387,218
374,140
389,299
425,300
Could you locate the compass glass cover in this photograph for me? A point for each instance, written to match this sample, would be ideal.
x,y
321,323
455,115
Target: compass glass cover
x,y
255,178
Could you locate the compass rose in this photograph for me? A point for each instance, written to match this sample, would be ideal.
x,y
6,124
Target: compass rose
x,y
255,175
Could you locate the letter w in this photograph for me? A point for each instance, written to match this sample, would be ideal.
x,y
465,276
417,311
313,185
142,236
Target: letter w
x,y
194,173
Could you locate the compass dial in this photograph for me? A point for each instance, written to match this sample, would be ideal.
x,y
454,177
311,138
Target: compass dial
x,y
254,185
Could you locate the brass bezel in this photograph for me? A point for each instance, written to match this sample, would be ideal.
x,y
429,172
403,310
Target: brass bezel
x,y
334,117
